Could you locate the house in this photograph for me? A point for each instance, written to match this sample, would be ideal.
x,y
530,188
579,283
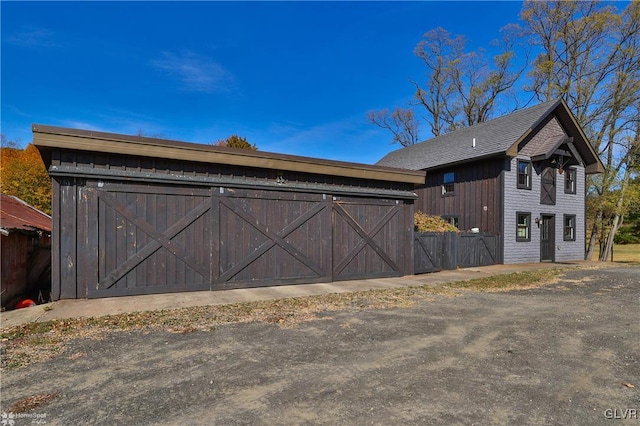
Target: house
x,y
26,250
521,176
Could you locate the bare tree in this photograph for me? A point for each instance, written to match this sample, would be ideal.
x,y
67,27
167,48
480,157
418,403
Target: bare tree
x,y
440,54
460,88
590,55
401,122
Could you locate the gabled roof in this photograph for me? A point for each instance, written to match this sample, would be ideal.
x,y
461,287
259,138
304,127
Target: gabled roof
x,y
498,137
15,214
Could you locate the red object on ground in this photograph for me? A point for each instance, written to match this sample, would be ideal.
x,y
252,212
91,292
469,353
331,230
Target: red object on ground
x,y
25,304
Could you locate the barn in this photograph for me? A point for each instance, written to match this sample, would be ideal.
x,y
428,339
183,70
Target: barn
x,y
136,215
26,254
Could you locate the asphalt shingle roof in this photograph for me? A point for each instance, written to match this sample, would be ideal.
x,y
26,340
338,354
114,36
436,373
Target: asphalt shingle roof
x,y
493,137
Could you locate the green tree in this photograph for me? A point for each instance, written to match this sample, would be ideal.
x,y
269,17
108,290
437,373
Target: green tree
x,y
23,175
235,141
590,55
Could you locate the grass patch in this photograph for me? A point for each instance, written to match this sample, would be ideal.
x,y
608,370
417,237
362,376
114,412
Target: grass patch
x,y
33,342
509,282
31,403
626,253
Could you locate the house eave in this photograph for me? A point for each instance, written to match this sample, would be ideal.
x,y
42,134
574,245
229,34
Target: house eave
x,y
48,137
468,161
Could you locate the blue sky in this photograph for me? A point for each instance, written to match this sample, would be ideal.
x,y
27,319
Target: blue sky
x,y
293,77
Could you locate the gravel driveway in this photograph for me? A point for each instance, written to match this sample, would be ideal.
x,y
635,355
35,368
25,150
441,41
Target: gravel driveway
x,y
567,353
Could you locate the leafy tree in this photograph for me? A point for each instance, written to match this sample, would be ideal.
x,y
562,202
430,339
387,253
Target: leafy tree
x,y
235,141
629,229
23,175
590,55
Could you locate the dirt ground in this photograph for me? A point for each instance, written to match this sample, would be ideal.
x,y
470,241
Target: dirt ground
x,y
567,353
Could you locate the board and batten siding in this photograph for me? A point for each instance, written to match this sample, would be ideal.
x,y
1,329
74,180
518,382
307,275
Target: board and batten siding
x,y
126,224
528,200
476,200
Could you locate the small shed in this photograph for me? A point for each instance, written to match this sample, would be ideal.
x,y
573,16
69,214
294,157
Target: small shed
x,y
136,215
26,251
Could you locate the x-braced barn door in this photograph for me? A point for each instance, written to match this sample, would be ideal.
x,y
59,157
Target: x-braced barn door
x,y
272,238
367,238
427,256
144,239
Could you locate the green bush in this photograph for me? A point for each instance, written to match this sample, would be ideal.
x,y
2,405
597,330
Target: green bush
x,y
626,239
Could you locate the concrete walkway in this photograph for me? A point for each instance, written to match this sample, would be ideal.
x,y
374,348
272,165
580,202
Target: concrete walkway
x,y
76,308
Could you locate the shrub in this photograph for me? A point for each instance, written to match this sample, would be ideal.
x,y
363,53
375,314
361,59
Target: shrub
x,y
428,223
626,239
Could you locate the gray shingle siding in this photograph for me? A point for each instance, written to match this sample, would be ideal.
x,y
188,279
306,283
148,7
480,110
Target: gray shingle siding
x,y
571,204
528,200
539,142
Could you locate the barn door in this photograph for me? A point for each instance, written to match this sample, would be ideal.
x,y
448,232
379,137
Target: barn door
x,y
367,238
144,239
271,238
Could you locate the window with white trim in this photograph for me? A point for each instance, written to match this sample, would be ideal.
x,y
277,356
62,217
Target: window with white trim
x,y
523,226
569,227
570,181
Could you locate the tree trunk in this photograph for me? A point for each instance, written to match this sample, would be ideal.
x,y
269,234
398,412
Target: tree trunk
x,y
594,234
608,247
616,219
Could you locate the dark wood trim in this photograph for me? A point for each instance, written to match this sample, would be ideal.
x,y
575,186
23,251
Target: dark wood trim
x,y
82,140
56,282
67,238
235,182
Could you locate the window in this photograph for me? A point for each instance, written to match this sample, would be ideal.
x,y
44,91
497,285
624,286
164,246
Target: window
x,y
570,181
453,220
447,183
524,174
523,226
569,227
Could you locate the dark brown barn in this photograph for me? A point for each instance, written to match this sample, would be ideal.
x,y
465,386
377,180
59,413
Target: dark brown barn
x,y
26,249
135,215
